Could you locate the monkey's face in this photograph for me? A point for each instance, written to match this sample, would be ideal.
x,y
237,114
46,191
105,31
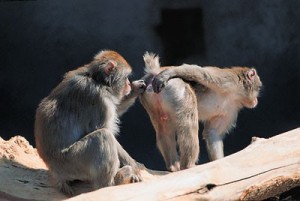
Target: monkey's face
x,y
250,103
252,85
111,70
127,88
120,85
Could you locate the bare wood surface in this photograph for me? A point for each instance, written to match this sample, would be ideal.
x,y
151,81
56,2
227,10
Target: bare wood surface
x,y
24,175
264,169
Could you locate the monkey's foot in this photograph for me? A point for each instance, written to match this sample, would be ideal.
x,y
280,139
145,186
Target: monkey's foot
x,y
175,167
65,188
126,175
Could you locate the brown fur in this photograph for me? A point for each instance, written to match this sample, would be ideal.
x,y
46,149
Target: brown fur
x,y
173,113
220,94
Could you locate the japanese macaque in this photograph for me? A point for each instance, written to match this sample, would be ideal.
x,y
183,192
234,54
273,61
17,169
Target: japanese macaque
x,y
76,125
174,116
220,94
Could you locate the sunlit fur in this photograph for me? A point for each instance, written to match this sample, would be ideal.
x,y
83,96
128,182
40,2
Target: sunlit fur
x,y
76,124
220,94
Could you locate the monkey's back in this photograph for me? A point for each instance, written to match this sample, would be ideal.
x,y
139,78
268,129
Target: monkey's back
x,y
64,117
160,106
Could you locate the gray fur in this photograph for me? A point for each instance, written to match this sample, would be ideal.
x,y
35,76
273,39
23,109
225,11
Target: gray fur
x,y
75,126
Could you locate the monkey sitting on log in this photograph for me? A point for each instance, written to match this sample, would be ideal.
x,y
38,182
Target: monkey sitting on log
x,y
176,98
76,125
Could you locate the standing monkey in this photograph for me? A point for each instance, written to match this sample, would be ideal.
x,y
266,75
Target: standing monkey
x,y
75,126
174,116
220,94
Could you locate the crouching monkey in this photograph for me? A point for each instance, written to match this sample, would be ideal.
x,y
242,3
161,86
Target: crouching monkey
x,y
76,125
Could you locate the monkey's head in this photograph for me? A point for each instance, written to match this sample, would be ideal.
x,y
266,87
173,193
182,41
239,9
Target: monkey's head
x,y
110,69
251,86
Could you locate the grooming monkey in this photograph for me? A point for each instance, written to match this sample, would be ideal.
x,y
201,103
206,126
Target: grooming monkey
x,y
220,94
75,126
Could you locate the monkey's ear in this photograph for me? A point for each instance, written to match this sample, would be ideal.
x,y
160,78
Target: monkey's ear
x,y
250,74
110,66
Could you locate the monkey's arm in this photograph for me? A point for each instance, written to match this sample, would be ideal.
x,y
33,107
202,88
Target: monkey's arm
x,y
137,87
125,159
211,77
125,104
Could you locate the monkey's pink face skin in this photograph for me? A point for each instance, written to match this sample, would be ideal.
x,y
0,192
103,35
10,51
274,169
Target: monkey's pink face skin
x,y
127,88
250,103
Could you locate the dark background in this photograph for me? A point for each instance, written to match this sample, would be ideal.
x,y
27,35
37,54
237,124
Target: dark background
x,y
41,40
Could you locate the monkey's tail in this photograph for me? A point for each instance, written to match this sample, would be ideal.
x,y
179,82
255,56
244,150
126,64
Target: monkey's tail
x,y
152,64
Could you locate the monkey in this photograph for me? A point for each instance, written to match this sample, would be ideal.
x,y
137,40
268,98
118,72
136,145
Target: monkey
x,y
77,123
174,116
220,94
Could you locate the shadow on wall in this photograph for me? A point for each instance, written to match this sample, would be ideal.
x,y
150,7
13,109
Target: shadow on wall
x,y
182,35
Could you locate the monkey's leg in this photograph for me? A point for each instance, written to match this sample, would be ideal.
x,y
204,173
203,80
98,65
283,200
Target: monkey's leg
x,y
126,175
130,171
137,87
93,158
166,143
214,145
213,135
187,139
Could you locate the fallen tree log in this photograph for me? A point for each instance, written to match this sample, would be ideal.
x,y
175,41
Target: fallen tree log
x,y
264,169
24,175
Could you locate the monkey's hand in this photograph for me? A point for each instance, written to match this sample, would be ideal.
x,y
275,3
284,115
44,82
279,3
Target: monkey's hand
x,y
138,87
160,81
